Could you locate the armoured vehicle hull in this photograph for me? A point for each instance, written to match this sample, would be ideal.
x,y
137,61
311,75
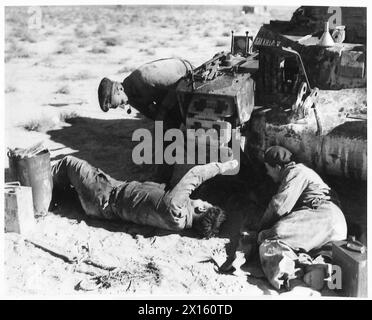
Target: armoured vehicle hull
x,y
309,20
288,91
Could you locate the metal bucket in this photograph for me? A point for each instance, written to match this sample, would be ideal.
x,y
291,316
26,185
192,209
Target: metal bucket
x,y
34,172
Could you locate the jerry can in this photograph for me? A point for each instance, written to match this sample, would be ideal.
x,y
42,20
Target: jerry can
x,y
19,212
351,257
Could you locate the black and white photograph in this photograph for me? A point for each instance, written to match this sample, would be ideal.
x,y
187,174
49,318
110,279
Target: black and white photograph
x,y
181,150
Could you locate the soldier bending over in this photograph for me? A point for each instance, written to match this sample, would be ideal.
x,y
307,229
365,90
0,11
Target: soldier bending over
x,y
150,89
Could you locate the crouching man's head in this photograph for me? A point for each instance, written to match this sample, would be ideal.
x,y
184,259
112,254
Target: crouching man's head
x,y
276,158
111,94
208,220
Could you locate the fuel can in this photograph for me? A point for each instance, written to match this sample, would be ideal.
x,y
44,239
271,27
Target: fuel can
x,y
353,264
19,210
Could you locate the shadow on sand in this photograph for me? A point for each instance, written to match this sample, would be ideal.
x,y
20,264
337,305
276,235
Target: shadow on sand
x,y
107,144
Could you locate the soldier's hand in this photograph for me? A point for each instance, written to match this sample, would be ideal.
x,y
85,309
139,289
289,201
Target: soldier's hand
x,y
229,166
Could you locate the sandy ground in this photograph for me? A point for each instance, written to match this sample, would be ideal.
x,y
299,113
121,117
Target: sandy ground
x,y
51,78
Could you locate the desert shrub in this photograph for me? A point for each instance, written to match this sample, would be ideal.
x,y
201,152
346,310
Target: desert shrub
x,y
67,115
81,75
49,33
134,18
83,44
46,62
17,51
112,41
100,29
222,43
46,123
10,89
32,125
123,61
80,32
99,49
17,32
125,69
66,47
15,16
183,31
25,35
42,124
143,40
226,34
148,51
63,90
207,34
162,43
155,19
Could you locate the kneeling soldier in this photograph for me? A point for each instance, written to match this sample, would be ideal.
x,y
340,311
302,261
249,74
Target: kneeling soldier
x,y
303,215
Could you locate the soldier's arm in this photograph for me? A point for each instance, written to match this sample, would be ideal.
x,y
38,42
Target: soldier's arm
x,y
139,95
143,105
196,176
283,202
166,105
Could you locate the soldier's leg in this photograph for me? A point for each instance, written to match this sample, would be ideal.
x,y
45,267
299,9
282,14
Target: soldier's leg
x,y
163,171
278,262
92,185
304,229
171,120
309,229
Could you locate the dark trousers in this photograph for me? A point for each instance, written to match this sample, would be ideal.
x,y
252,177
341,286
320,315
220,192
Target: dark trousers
x,y
301,231
91,184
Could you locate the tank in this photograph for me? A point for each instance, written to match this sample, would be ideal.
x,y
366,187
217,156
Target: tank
x,y
288,89
309,20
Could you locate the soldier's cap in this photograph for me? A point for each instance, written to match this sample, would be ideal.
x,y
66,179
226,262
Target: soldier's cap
x,y
104,93
277,155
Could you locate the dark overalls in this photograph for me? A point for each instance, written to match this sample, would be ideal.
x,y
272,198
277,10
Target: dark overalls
x,y
151,89
145,203
301,217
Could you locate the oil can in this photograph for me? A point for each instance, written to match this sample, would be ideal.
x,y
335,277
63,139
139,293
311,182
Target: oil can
x,y
353,264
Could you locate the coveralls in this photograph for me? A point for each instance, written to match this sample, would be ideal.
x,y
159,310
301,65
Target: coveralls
x,y
145,203
151,89
302,216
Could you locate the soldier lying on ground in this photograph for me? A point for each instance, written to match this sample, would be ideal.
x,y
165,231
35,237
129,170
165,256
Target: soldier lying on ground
x,y
150,89
145,203
303,216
